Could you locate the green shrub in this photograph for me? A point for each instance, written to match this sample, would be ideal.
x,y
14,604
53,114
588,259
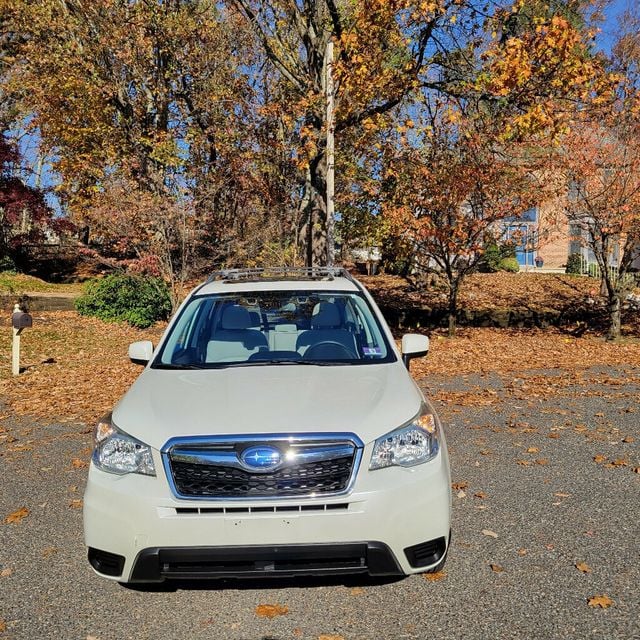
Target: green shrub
x,y
491,259
509,264
138,300
494,255
7,264
574,264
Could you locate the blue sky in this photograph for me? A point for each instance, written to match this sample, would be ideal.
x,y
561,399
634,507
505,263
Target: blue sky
x,y
608,30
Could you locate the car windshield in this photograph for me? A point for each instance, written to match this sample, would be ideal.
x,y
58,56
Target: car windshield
x,y
275,327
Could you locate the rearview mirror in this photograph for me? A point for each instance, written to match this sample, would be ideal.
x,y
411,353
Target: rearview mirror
x,y
414,345
141,352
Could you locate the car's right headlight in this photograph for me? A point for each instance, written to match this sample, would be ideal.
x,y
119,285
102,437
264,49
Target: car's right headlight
x,y
118,452
415,443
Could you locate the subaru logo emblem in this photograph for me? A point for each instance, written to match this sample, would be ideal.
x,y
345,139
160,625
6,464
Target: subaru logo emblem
x,y
261,458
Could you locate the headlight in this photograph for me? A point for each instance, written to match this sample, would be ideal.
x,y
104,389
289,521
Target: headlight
x,y
412,444
117,452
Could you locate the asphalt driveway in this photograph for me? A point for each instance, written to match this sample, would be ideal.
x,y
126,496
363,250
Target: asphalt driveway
x,y
546,518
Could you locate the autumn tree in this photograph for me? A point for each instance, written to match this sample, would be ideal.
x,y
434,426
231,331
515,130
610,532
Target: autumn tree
x,y
217,110
468,154
146,100
25,217
602,167
600,162
381,51
453,192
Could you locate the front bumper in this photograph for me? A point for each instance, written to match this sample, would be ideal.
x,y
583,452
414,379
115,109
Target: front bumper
x,y
395,521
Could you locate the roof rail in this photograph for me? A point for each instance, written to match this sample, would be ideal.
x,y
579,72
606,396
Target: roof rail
x,y
280,273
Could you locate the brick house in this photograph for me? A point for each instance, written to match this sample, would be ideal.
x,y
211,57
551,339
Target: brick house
x,y
544,233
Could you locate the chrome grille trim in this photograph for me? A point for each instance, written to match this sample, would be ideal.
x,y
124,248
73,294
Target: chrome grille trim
x,y
223,451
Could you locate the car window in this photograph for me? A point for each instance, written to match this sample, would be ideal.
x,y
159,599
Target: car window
x,y
306,327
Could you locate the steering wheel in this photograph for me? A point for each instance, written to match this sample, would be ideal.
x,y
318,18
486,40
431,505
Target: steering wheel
x,y
329,350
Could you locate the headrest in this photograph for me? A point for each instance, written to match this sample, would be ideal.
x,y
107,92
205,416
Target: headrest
x,y
325,316
235,317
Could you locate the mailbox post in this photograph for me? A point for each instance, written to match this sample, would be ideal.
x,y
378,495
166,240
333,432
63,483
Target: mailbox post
x,y
20,320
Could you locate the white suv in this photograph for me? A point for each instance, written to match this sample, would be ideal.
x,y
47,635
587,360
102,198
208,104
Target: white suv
x,y
275,430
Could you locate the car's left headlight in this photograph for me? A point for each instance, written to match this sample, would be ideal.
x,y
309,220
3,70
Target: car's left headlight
x,y
415,443
120,453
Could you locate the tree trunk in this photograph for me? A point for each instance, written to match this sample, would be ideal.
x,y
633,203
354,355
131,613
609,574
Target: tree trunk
x,y
313,233
453,308
614,309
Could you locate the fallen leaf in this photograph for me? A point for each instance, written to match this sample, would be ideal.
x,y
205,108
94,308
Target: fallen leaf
x,y
496,568
434,577
49,551
17,516
76,463
357,591
459,486
533,450
324,636
523,552
75,504
481,495
553,435
3,625
604,602
542,461
599,459
5,573
524,463
636,470
583,566
559,494
620,462
271,610
628,439
461,494
488,532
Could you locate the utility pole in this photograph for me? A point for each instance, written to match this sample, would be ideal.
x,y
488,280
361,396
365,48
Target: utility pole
x,y
329,86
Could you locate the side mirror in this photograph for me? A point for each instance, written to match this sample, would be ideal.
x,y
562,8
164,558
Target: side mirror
x,y
414,346
141,352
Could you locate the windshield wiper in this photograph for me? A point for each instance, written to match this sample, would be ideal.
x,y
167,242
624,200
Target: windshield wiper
x,y
162,365
314,363
261,363
253,363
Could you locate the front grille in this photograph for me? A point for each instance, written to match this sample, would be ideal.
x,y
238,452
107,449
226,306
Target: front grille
x,y
216,468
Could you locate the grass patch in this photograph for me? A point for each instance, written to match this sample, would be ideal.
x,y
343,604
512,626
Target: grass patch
x,y
19,283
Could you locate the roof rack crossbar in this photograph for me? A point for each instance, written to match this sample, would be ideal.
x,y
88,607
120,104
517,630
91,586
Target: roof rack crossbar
x,y
280,273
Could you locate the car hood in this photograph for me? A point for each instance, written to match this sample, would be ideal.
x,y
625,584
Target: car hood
x,y
368,400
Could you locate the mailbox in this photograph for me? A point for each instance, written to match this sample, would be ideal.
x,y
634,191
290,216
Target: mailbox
x,y
21,320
